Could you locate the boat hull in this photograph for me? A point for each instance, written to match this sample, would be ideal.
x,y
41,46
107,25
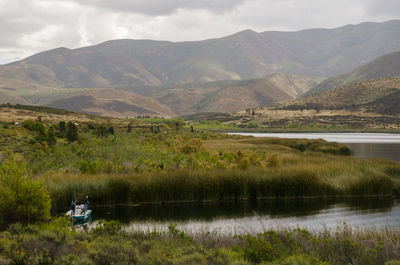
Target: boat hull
x,y
80,217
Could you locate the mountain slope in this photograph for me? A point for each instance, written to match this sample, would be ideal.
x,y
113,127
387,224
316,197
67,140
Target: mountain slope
x,y
229,96
385,66
380,95
223,96
111,102
245,55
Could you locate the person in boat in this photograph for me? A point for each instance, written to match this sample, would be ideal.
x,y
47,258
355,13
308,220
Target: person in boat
x,y
86,203
73,207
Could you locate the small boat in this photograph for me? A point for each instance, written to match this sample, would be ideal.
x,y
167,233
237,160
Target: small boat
x,y
80,214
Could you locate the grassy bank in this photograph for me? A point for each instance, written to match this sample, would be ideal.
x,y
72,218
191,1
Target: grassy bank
x,y
56,243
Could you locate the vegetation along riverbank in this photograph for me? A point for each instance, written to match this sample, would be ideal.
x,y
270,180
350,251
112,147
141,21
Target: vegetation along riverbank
x,y
46,162
108,243
159,160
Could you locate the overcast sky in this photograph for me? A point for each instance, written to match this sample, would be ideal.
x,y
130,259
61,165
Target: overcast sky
x,y
31,26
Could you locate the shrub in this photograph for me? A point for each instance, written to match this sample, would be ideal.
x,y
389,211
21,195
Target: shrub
x,y
192,146
72,132
263,247
300,260
21,199
62,127
33,126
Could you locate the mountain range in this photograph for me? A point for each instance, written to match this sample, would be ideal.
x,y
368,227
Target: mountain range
x,y
244,70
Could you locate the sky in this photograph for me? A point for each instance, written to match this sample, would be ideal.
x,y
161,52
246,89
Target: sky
x,y
31,26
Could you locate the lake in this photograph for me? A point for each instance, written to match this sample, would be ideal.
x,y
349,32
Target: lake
x,y
363,145
244,217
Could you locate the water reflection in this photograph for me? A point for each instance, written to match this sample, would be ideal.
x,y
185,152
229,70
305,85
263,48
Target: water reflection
x,y
242,217
211,211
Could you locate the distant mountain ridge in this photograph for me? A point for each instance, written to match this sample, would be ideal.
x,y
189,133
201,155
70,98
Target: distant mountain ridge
x,y
126,78
244,55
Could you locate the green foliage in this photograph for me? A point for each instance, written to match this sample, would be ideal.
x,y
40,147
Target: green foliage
x,y
62,127
72,132
300,259
21,199
393,262
108,227
34,126
57,243
263,247
51,136
273,161
244,164
192,146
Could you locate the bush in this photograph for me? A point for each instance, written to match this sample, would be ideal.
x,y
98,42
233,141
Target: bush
x,y
300,260
34,126
72,132
263,247
21,198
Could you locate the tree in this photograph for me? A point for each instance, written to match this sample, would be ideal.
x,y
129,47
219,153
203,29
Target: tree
x,y
51,136
72,132
317,108
21,198
61,127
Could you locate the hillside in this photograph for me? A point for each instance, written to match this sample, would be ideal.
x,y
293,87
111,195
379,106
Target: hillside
x,y
112,102
230,96
385,66
222,96
245,55
380,95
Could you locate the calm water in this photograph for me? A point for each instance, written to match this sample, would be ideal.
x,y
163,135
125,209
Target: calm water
x,y
364,145
230,217
243,217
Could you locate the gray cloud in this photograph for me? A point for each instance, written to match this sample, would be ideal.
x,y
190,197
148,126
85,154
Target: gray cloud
x,y
161,7
383,8
28,27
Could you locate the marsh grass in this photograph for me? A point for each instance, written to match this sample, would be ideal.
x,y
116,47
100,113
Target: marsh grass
x,y
317,178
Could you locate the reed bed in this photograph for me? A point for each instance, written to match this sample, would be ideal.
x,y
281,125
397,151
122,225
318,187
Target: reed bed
x,y
297,179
